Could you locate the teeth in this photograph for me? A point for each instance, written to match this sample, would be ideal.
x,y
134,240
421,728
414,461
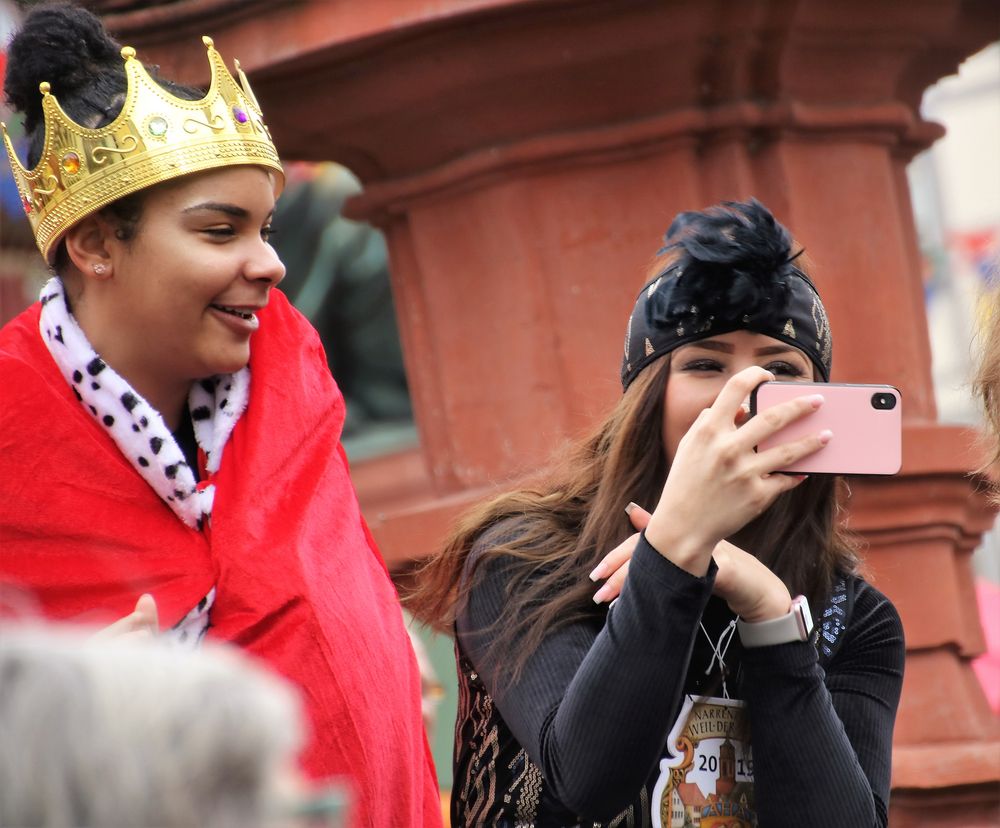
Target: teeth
x,y
234,312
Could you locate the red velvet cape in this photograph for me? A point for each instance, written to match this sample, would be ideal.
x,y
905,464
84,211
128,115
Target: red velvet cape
x,y
299,580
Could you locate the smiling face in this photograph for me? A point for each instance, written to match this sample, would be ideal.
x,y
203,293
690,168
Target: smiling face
x,y
699,369
181,301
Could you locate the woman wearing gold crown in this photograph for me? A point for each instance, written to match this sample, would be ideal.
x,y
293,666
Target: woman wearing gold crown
x,y
169,425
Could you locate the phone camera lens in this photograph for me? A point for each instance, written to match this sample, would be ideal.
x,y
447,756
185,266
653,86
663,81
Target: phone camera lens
x,y
884,402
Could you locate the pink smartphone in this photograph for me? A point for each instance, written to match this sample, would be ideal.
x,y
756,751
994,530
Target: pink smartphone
x,y
866,421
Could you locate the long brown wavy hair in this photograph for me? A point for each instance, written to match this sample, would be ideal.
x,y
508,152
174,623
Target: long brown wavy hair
x,y
986,383
558,528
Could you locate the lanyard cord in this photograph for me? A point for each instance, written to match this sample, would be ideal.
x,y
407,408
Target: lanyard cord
x,y
719,650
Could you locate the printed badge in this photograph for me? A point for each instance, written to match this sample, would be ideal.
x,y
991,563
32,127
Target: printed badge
x,y
706,780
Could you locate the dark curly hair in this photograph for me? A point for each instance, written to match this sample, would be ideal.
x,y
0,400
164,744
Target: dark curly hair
x,y
69,48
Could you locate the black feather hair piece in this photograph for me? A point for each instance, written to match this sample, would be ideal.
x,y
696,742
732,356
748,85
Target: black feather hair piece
x,y
734,264
732,269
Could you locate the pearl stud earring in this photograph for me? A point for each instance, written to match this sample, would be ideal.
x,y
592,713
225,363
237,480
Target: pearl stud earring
x,y
100,269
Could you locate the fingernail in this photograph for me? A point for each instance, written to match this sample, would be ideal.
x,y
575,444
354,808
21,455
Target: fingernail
x,y
600,572
816,400
801,477
825,436
631,507
602,594
612,603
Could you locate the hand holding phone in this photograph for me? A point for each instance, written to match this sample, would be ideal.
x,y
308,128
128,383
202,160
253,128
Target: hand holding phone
x,y
866,421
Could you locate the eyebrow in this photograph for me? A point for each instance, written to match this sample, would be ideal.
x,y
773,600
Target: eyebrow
x,y
219,207
726,348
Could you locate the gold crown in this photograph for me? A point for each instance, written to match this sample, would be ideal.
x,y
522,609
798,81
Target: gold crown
x,y
156,137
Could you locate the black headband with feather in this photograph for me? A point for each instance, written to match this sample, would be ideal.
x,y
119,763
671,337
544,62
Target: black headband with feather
x,y
734,270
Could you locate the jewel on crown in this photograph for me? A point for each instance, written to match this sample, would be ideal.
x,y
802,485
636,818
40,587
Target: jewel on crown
x,y
156,137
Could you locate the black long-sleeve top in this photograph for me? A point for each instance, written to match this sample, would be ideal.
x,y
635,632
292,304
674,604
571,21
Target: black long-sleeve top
x,y
577,738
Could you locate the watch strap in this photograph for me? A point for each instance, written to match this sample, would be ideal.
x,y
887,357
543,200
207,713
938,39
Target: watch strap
x,y
796,625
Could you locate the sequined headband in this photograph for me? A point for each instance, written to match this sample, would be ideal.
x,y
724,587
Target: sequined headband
x,y
678,307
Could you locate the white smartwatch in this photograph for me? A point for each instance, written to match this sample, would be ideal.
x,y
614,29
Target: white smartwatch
x,y
796,626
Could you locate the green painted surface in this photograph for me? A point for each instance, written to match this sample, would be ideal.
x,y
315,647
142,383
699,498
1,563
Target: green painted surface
x,y
441,653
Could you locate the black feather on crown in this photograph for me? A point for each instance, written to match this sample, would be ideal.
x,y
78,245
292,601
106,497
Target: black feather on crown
x,y
733,270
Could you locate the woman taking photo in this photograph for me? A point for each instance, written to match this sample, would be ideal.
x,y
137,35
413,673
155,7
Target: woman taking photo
x,y
169,425
709,693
